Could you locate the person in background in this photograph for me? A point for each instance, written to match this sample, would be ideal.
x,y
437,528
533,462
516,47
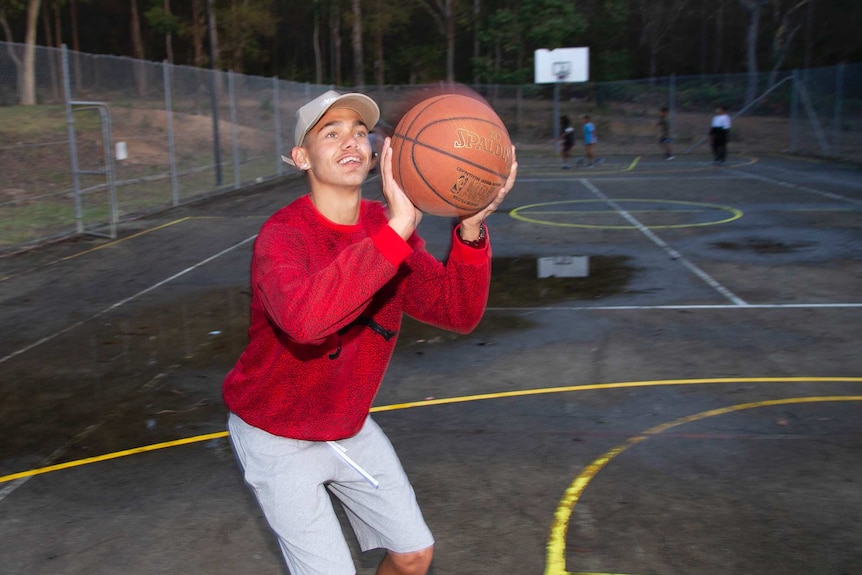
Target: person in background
x,y
567,140
719,132
332,275
590,140
664,139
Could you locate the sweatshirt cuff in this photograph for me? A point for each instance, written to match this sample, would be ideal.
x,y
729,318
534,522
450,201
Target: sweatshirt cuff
x,y
391,245
470,255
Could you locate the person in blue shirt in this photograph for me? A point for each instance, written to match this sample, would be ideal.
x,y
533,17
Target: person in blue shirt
x,y
589,139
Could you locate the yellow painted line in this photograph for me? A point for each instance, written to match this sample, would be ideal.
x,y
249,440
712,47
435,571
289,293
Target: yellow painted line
x,y
606,212
595,170
85,252
115,242
515,213
555,560
749,161
115,455
121,240
617,385
450,401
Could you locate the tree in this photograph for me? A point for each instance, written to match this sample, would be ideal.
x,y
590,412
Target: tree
x,y
511,34
28,88
335,38
212,32
198,31
163,21
247,23
502,39
356,42
53,38
10,9
786,23
754,9
609,34
137,48
318,53
477,12
385,16
658,19
443,13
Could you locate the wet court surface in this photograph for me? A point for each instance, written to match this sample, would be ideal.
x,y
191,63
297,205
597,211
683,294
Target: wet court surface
x,y
693,406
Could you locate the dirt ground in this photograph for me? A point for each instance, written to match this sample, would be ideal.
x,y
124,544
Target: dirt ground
x,y
692,406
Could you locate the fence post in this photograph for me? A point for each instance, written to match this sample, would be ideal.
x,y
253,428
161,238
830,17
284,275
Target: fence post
x,y
169,113
672,100
279,167
556,110
839,96
214,104
233,134
73,145
794,111
519,110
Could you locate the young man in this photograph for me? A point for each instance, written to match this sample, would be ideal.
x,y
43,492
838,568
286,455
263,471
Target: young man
x,y
719,130
331,276
664,139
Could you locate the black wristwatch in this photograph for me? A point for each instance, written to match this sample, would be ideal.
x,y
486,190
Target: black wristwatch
x,y
473,243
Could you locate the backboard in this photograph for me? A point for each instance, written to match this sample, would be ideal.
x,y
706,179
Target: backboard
x,y
562,65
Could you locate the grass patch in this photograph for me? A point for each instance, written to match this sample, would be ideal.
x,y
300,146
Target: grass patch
x,y
38,122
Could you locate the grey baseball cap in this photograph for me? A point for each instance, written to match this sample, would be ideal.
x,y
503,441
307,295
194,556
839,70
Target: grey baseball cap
x,y
308,115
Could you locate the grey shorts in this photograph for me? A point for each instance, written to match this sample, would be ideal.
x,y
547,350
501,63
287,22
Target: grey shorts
x,y
290,479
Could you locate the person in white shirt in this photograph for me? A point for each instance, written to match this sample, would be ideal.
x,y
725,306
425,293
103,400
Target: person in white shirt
x,y
719,131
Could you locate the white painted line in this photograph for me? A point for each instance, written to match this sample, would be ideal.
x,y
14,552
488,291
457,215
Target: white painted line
x,y
7,490
847,180
121,303
783,184
724,306
698,176
675,255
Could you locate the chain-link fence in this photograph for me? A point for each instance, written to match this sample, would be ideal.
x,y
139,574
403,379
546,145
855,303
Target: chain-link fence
x,y
113,138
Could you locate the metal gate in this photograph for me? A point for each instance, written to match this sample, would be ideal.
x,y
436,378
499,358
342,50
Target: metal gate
x,y
95,214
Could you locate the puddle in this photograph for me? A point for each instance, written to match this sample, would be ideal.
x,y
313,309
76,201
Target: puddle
x,y
152,372
762,246
514,284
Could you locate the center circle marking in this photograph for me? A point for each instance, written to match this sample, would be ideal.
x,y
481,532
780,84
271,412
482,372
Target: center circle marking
x,y
527,214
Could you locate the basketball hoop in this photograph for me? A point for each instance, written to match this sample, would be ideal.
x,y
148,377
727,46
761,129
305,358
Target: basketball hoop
x,y
561,70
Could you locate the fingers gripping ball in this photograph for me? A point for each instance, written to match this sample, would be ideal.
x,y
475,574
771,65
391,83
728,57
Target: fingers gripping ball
x,y
451,154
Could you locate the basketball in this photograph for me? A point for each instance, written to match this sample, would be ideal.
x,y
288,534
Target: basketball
x,y
451,154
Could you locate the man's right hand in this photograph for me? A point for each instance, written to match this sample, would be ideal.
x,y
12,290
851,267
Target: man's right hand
x,y
404,217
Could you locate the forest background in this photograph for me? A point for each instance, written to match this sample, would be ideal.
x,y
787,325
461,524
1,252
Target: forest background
x,y
357,42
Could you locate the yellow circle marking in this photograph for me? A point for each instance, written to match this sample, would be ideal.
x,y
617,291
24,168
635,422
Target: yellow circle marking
x,y
555,560
517,214
444,401
679,168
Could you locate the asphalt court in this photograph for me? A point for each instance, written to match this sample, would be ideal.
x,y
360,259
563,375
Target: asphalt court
x,y
703,417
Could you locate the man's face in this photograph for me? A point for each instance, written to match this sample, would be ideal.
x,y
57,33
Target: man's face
x,y
338,149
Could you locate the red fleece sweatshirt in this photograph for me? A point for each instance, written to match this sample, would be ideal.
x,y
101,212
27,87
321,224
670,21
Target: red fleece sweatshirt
x,y
326,307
